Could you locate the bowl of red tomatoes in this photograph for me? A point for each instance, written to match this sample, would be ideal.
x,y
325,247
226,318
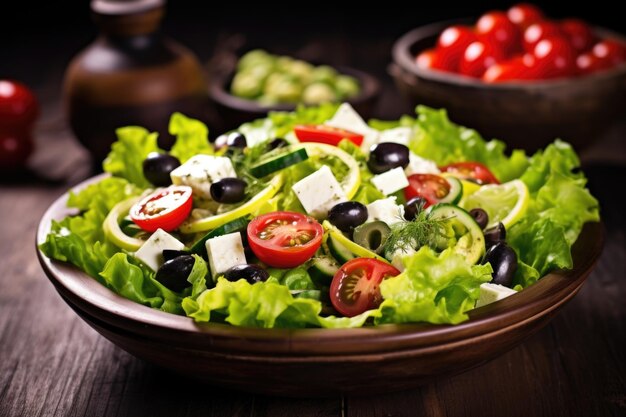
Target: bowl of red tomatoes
x,y
517,75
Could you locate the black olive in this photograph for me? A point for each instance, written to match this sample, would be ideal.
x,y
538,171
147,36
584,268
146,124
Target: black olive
x,y
481,217
169,254
495,234
236,140
413,207
157,168
174,273
387,155
277,143
348,215
372,235
250,272
503,260
228,190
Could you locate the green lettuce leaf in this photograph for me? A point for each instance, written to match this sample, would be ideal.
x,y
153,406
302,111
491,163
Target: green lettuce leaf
x,y
127,154
192,137
433,288
444,142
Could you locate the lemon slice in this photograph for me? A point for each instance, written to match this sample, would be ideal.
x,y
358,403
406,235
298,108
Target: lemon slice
x,y
255,203
355,248
352,180
112,230
505,203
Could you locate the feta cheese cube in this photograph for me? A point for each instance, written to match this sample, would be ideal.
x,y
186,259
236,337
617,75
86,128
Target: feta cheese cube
x,y
490,293
391,181
201,171
348,119
224,252
419,165
319,192
400,135
151,252
385,210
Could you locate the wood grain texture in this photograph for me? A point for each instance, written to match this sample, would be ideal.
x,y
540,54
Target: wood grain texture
x,y
53,364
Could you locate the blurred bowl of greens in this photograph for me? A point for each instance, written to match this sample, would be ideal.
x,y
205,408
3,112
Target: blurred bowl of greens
x,y
258,82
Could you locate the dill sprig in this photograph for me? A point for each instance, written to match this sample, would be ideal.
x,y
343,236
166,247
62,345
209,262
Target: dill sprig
x,y
408,235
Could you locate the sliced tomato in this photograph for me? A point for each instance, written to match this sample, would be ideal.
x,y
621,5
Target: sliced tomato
x,y
325,134
284,239
356,286
165,209
433,188
473,171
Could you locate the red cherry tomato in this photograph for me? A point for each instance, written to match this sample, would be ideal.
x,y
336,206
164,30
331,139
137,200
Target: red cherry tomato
x,y
516,69
430,59
496,28
356,286
610,51
556,58
325,134
165,209
433,188
525,14
579,34
284,239
538,31
15,148
588,63
478,57
18,105
452,43
473,171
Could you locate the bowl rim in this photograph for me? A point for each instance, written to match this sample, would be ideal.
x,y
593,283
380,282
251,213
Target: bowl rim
x,y
220,94
402,57
82,292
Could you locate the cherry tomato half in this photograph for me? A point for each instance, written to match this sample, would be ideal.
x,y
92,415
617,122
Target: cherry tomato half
x,y
284,239
431,59
18,105
325,134
15,148
496,28
610,51
538,31
579,34
474,171
524,14
478,57
555,58
165,209
356,286
431,187
452,43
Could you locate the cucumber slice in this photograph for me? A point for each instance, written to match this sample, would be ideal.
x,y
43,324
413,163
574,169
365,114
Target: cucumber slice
x,y
275,161
456,191
468,236
236,225
323,270
339,251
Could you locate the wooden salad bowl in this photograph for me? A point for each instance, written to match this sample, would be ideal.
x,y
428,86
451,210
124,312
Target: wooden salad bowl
x,y
316,362
526,115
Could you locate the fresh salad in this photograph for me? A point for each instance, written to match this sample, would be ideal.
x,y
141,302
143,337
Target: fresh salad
x,y
315,218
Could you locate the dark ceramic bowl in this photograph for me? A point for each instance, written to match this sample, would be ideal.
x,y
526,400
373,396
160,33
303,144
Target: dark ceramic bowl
x,y
232,111
317,362
526,115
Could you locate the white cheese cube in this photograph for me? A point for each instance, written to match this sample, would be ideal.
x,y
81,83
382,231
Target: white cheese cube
x,y
490,293
224,252
348,119
201,171
151,252
319,192
400,135
391,181
419,165
385,210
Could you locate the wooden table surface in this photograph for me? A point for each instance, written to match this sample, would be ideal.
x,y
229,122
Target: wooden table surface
x,y
53,364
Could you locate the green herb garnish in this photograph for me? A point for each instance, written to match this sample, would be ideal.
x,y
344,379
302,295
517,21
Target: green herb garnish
x,y
408,235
